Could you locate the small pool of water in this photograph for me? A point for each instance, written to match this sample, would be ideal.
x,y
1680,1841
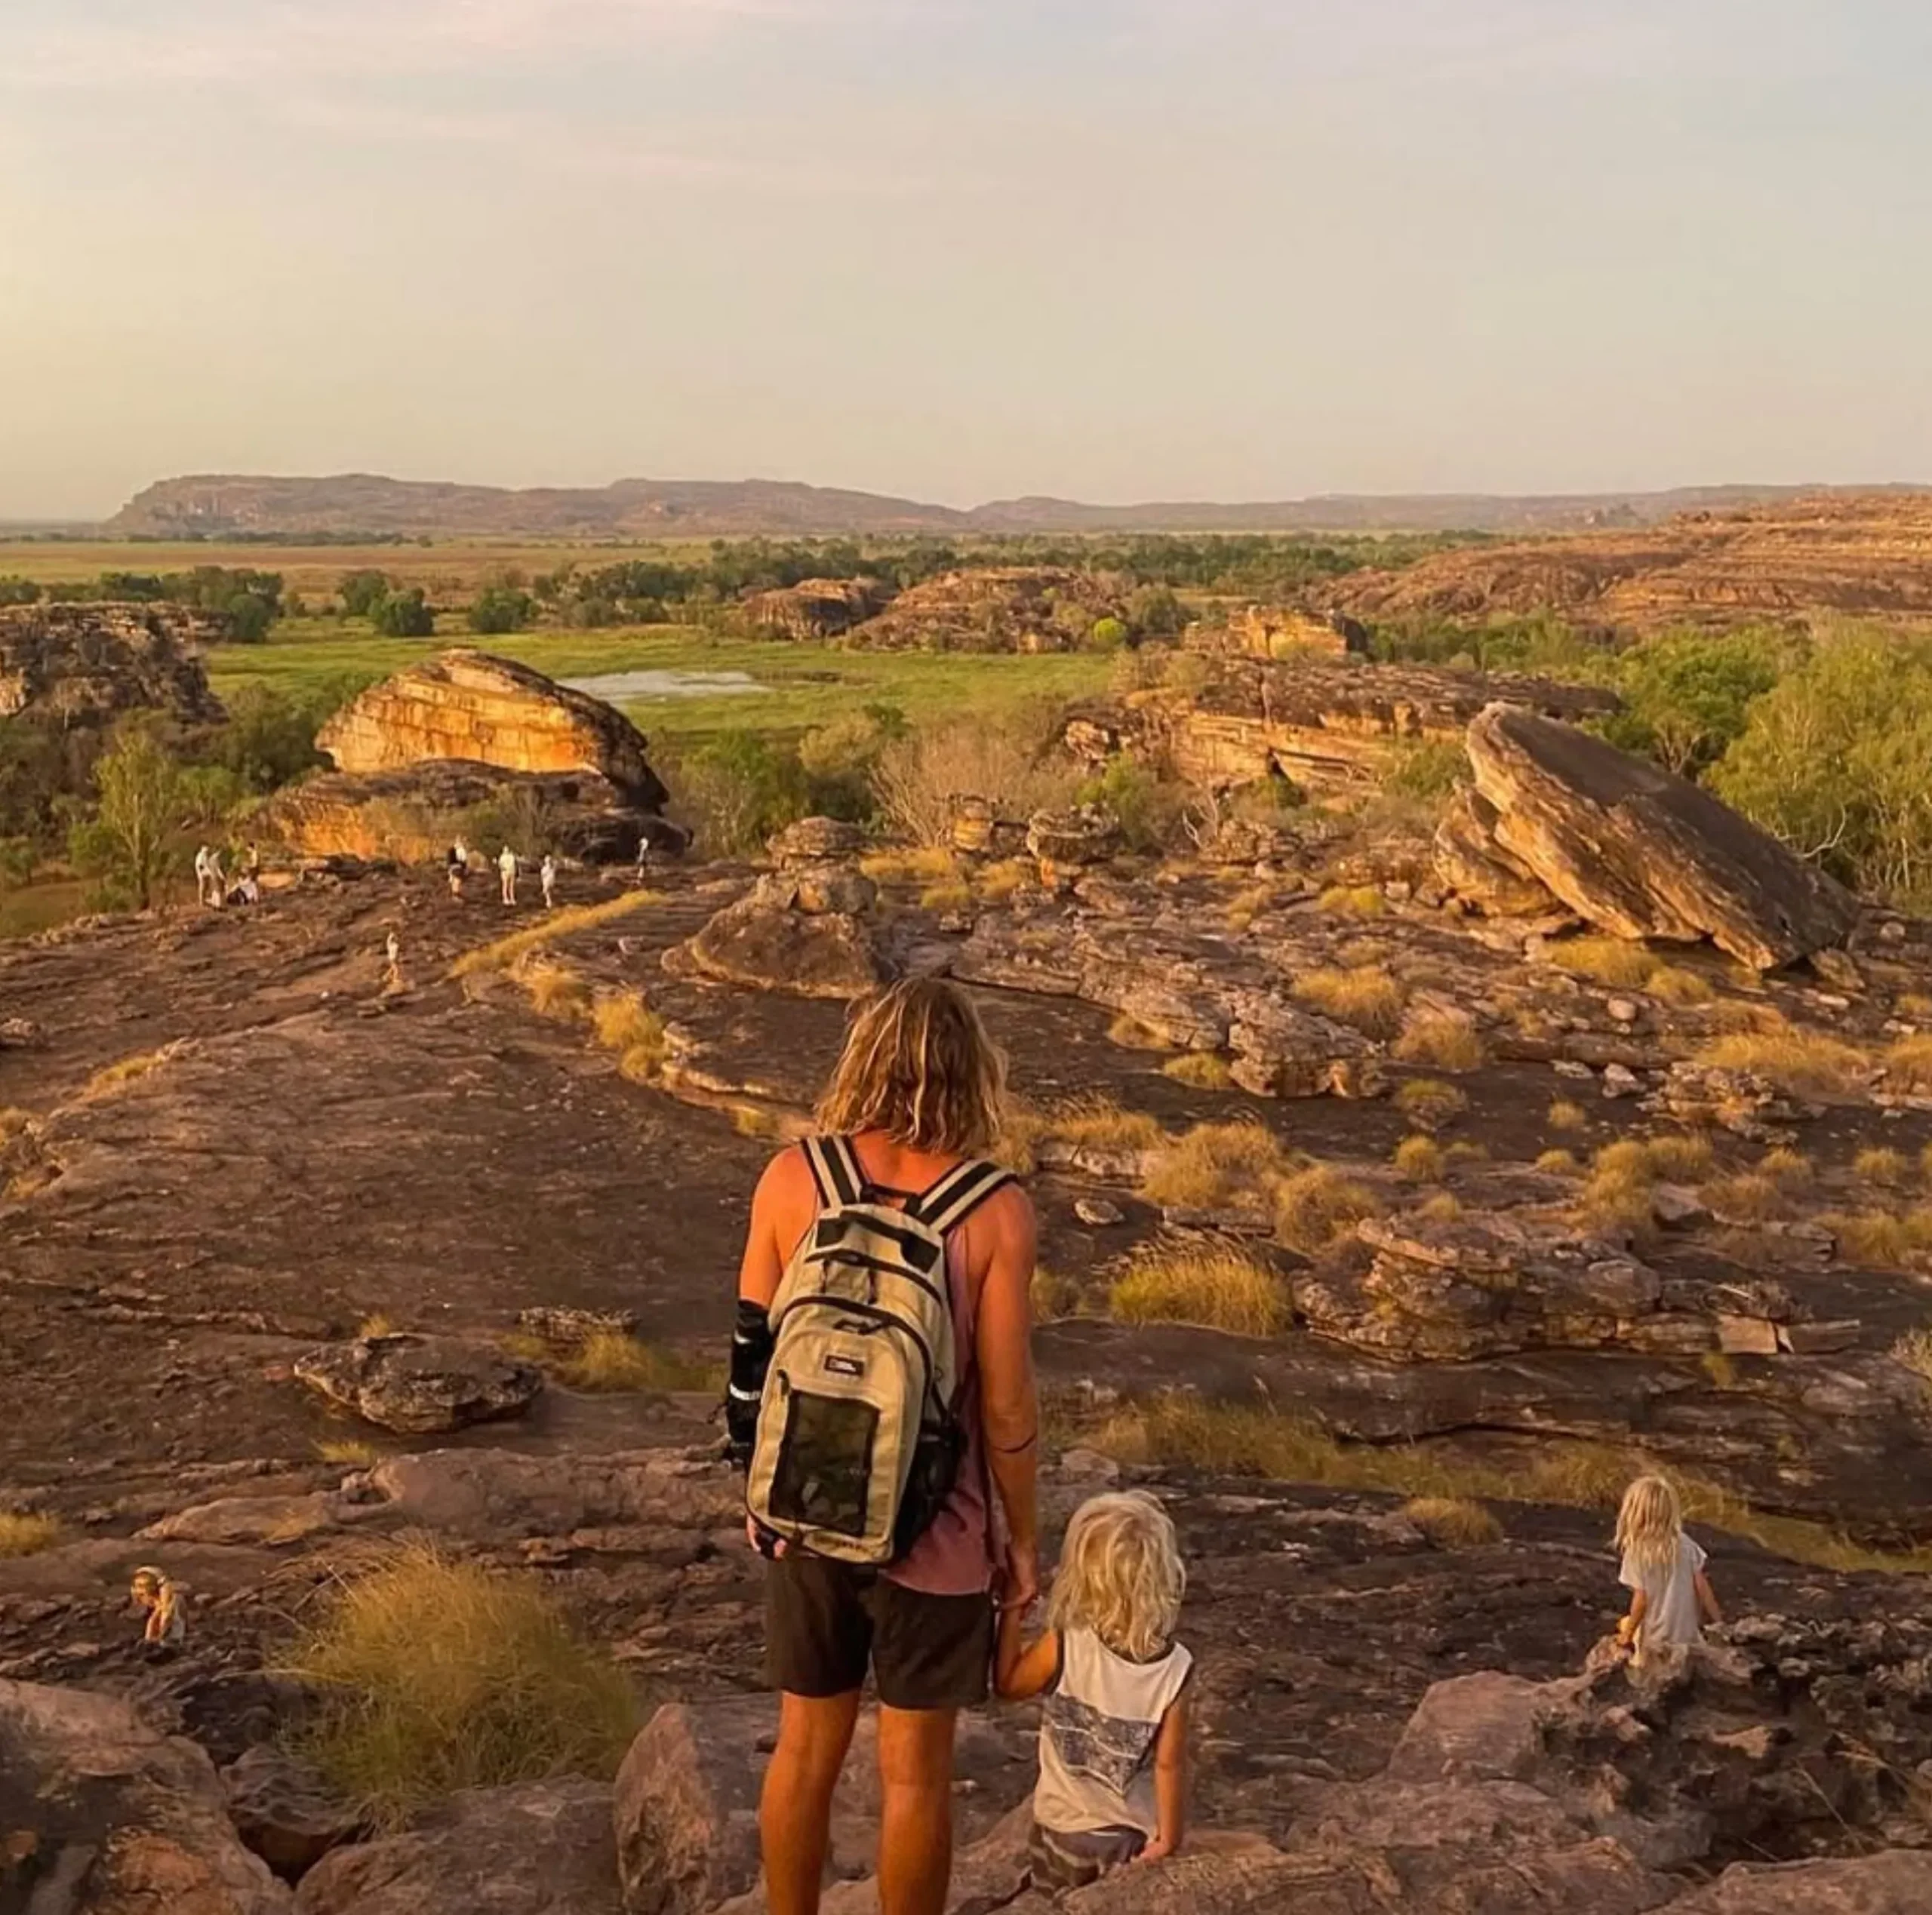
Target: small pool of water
x,y
617,687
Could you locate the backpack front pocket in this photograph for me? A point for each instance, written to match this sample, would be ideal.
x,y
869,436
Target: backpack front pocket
x,y
824,1472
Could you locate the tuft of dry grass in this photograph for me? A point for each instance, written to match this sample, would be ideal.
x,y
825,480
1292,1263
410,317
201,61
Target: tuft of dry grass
x,y
1565,1115
1443,1207
1444,1040
1055,1297
1789,1169
352,1452
1559,1163
1319,1206
609,1363
1352,901
1805,1063
1089,1123
438,1675
1241,910
1879,1164
25,1533
1420,1160
1883,1238
1429,1104
1453,1522
946,898
1215,1165
118,1076
1131,1035
996,882
1612,961
377,1323
1681,1157
917,864
1750,1196
1199,1069
1214,1286
505,952
1366,997
554,990
628,1028
1909,1064
1914,1350
1671,984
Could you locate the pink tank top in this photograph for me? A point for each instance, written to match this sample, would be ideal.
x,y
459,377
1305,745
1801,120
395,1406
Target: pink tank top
x,y
955,1557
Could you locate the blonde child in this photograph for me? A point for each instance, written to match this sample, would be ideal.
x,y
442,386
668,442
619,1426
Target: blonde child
x,y
1113,1737
1663,1568
158,1600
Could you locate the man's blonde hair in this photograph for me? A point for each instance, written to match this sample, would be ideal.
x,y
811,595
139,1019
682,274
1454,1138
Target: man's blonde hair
x,y
1121,1575
1650,1522
918,1064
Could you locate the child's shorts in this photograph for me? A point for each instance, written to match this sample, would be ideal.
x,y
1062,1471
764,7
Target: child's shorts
x,y
1062,1860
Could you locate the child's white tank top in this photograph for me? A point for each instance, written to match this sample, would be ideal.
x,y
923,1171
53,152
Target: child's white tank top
x,y
1098,1733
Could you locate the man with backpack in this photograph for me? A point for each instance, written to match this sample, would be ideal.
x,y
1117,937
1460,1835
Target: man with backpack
x,y
882,1400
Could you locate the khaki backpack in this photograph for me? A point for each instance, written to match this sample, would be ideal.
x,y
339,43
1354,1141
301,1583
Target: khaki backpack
x,y
859,1439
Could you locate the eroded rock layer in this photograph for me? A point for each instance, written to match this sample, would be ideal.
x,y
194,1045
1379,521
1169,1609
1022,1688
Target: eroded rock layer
x,y
83,665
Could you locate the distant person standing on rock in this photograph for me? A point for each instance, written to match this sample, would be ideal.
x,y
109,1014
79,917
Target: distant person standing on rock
x,y
217,880
202,854
506,869
455,865
546,873
895,1182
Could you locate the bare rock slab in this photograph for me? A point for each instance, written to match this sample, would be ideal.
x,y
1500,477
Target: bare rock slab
x,y
686,1810
537,1848
769,947
420,1385
1639,852
1898,1882
285,1812
103,1814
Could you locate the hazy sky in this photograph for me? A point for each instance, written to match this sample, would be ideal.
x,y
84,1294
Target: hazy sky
x,y
1114,249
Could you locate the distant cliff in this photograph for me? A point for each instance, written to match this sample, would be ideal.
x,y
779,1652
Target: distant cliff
x,y
219,506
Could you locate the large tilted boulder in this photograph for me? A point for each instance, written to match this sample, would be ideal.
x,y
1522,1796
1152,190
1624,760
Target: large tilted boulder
x,y
535,1848
102,1815
84,664
416,755
479,709
419,1385
1636,851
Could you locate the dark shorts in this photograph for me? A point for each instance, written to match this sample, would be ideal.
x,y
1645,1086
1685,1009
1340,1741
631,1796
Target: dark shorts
x,y
826,1624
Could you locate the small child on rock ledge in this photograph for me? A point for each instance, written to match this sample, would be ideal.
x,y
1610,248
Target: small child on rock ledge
x,y
1664,1570
1113,1738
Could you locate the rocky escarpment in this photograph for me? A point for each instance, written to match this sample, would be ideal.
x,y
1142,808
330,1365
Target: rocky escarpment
x,y
1317,722
1865,555
818,608
463,732
1629,846
84,664
1000,609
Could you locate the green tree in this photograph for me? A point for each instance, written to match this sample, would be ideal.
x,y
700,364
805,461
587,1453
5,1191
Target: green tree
x,y
1687,695
362,591
1836,759
15,590
1108,634
128,844
405,615
501,608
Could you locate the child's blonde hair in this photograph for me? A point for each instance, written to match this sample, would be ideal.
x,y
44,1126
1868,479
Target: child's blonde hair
x,y
1121,1575
1650,1522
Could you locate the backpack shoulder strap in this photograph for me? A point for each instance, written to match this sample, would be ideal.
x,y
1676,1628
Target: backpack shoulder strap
x,y
958,1194
835,1170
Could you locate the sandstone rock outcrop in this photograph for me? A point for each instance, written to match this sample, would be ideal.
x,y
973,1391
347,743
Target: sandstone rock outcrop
x,y
1635,850
1869,555
85,664
419,1384
463,733
1282,632
1318,723
1014,608
478,709
818,608
102,1815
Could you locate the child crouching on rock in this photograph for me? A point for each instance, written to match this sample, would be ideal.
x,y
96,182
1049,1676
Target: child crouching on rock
x,y
1113,1738
1672,1597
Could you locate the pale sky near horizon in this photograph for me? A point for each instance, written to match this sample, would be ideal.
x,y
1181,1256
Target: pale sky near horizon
x,y
961,249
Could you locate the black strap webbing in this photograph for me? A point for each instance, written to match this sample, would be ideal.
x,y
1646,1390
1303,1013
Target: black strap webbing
x,y
834,1170
958,1194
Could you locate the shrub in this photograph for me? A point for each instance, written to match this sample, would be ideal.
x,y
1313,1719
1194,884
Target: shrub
x,y
1445,1040
1352,901
918,779
1614,961
554,990
1427,771
1909,1064
627,1027
1453,1522
1216,1166
1806,1063
1199,1069
26,1534
1148,811
439,1675
1317,1207
1878,1164
741,787
405,615
1565,1115
1214,1286
360,592
1429,1102
1558,1163
1367,998
498,609
1420,1160
1107,634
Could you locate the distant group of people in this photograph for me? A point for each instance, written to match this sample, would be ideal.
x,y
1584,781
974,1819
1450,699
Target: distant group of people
x,y
213,887
509,866
916,1564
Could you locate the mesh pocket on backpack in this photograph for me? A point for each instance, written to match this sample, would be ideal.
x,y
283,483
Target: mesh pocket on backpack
x,y
823,1477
